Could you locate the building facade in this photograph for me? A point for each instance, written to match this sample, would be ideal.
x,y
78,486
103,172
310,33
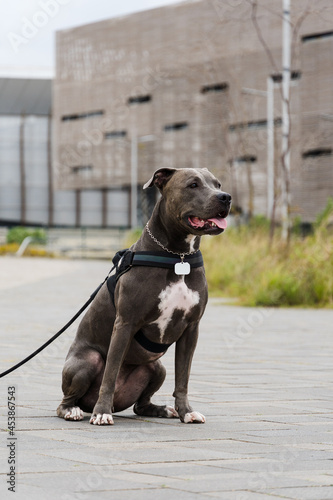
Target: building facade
x,y
27,189
186,86
27,195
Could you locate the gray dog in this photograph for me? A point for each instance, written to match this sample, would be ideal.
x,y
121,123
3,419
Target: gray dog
x,y
114,362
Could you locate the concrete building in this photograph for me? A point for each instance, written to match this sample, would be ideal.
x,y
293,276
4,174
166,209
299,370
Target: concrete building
x,y
27,194
186,85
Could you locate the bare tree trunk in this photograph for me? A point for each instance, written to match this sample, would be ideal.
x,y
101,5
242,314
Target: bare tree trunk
x,y
285,155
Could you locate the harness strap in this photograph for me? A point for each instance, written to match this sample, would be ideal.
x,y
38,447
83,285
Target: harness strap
x,y
163,259
149,345
125,260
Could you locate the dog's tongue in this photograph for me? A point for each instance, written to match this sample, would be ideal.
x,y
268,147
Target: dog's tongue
x,y
221,223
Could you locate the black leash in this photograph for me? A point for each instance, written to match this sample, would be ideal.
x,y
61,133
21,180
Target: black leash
x,y
64,328
126,259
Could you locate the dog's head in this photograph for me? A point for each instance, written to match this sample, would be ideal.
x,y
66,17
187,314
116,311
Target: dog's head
x,y
194,198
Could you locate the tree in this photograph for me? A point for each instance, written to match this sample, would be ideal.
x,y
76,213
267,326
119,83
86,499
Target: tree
x,y
290,34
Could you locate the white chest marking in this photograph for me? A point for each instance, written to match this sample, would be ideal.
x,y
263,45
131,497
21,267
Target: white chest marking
x,y
174,297
190,239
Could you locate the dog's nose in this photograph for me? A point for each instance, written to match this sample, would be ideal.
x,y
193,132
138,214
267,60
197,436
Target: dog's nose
x,y
225,198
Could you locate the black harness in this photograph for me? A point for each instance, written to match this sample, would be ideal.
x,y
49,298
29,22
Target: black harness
x,y
124,260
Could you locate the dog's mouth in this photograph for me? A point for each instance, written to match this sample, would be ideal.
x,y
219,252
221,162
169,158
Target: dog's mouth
x,y
213,224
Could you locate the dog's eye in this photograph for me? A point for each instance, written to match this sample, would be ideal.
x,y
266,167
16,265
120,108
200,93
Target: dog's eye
x,y
194,185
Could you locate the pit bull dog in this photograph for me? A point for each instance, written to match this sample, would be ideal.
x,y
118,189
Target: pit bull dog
x,y
109,367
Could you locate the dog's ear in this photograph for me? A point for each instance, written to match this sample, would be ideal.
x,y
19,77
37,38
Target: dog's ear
x,y
160,178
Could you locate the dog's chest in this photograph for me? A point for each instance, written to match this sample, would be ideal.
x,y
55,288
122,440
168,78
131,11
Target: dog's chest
x,y
175,297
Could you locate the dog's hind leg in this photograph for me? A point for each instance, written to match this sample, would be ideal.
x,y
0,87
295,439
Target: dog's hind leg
x,y
144,406
78,376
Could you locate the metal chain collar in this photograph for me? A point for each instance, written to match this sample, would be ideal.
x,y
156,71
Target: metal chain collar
x,y
181,255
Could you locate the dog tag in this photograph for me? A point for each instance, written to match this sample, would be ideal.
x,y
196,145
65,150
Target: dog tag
x,y
182,268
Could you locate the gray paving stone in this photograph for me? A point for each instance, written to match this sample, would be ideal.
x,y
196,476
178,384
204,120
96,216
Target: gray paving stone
x,y
242,495
265,389
90,480
163,493
312,493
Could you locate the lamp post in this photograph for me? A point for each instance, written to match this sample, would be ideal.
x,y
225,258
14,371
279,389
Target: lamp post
x,y
135,141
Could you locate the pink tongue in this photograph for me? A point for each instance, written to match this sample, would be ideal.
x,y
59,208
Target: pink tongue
x,y
221,223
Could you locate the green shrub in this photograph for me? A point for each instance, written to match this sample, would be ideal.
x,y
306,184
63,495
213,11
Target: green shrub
x,y
246,267
259,222
18,234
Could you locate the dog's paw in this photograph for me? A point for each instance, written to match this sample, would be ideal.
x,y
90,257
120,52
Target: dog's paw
x,y
99,419
171,412
194,417
74,413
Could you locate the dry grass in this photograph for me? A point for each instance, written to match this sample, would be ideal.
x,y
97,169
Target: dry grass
x,y
31,251
241,264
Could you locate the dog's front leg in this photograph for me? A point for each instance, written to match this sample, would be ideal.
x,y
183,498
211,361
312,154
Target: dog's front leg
x,y
120,341
185,348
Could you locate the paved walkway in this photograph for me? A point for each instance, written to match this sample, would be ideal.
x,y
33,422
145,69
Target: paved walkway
x,y
262,377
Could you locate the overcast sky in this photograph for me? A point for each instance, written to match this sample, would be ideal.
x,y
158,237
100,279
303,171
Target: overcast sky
x,y
27,28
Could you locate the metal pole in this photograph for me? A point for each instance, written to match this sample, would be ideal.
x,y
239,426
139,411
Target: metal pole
x,y
134,181
270,147
285,116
